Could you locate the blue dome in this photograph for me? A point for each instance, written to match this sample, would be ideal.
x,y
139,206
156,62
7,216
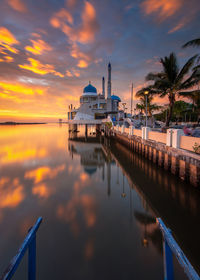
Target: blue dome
x,y
90,170
115,97
90,88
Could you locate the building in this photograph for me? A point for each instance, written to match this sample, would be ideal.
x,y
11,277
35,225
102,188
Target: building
x,y
94,105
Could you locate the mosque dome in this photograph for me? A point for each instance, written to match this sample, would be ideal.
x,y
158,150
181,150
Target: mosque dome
x,y
115,97
90,170
89,90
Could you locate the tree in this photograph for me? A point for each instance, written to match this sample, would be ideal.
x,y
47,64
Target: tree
x,y
142,101
194,96
180,108
172,80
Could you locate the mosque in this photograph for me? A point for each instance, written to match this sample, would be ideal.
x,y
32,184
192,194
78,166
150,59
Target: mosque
x,y
96,106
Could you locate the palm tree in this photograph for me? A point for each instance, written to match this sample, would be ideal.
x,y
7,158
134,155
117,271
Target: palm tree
x,y
173,80
142,101
193,43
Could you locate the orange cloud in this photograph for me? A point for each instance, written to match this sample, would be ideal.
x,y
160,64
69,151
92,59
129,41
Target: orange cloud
x,y
72,73
7,40
86,32
12,193
43,173
37,67
41,190
20,88
163,8
60,17
16,92
83,58
88,203
7,58
17,5
82,64
89,26
38,47
89,249
180,25
17,153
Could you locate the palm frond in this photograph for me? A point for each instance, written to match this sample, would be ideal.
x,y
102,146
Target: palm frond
x,y
186,68
154,76
170,67
193,43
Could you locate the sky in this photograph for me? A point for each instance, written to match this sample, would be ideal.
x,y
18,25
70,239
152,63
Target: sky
x,y
51,49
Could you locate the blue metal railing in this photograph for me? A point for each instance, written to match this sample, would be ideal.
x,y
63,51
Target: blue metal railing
x,y
171,247
30,244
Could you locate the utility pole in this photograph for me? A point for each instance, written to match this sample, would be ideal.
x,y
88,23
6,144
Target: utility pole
x,y
132,100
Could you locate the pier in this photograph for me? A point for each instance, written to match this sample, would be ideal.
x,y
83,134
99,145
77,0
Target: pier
x,y
172,150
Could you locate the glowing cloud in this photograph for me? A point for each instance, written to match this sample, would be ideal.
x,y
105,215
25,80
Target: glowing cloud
x,y
20,88
41,190
17,5
38,47
43,173
37,67
7,58
164,9
82,64
86,32
11,194
90,25
7,40
179,25
60,17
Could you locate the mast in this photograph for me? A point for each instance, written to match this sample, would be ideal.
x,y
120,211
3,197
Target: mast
x,y
103,87
132,100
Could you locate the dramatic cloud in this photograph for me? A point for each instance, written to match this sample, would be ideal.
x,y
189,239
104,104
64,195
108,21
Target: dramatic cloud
x,y
177,26
7,58
85,33
163,9
42,69
7,40
17,5
38,47
90,26
20,88
44,173
72,73
12,193
82,64
49,50
60,18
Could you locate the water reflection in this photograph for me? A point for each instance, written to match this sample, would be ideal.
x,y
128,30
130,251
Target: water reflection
x,y
98,210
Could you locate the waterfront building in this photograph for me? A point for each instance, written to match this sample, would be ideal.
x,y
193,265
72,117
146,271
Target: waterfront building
x,y
96,106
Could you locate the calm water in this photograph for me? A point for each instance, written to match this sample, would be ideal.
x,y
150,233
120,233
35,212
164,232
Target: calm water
x,y
98,203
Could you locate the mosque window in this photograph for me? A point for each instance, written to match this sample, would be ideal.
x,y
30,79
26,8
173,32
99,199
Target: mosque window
x,y
102,106
85,99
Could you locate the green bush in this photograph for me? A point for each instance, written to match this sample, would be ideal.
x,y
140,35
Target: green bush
x,y
196,148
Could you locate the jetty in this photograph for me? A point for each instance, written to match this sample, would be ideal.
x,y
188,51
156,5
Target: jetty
x,y
172,150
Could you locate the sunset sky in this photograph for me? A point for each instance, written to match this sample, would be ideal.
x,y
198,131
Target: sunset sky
x,y
50,49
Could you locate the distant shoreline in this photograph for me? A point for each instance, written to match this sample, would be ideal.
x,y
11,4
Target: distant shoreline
x,y
16,123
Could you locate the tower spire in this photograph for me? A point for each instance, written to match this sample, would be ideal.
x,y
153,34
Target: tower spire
x,y
109,81
103,87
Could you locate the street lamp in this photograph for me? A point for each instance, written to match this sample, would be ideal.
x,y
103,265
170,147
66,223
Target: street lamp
x,y
146,93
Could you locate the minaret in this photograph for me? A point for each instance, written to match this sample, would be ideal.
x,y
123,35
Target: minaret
x,y
103,87
109,81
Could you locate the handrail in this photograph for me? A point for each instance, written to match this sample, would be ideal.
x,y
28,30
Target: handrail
x,y
28,243
170,246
